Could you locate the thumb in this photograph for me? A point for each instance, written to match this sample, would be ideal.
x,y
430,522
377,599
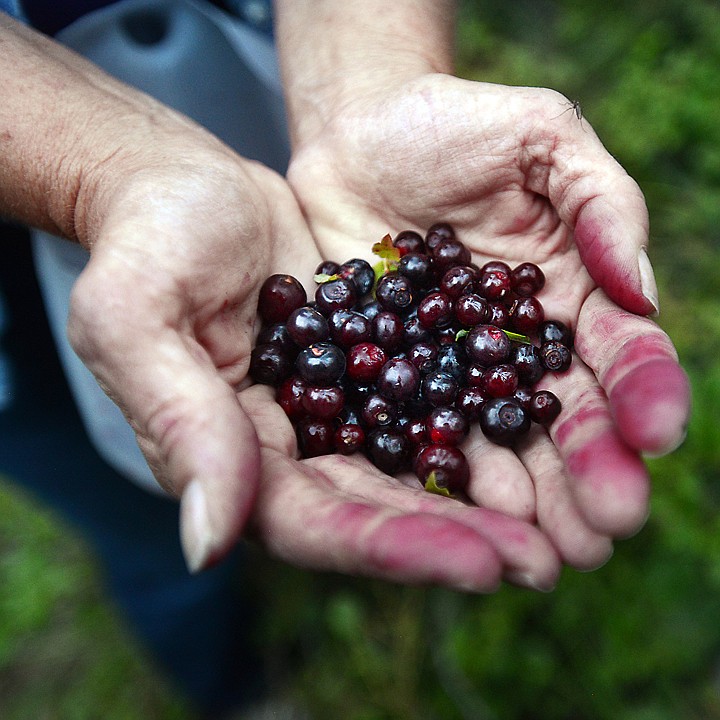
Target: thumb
x,y
199,443
606,209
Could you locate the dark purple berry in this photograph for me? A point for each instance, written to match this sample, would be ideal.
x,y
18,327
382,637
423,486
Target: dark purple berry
x,y
349,327
323,402
321,364
424,356
437,233
544,407
327,267
360,272
378,411
398,379
471,309
307,326
269,364
527,279
499,380
409,241
387,449
457,281
493,285
526,315
394,292
469,402
414,331
364,362
340,294
417,268
279,295
277,333
289,396
439,388
504,421
435,311
442,468
349,438
488,345
528,363
446,426
555,331
556,357
315,437
449,253
388,330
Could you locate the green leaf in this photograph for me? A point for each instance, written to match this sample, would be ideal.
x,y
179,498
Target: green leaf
x,y
517,337
432,486
386,250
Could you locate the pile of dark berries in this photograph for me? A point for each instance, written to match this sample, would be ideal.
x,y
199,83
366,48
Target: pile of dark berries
x,y
397,361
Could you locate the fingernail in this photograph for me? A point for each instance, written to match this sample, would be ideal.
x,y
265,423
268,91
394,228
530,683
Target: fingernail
x,y
196,534
647,280
529,581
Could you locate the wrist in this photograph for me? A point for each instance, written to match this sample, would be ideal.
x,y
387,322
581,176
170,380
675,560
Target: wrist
x,y
334,54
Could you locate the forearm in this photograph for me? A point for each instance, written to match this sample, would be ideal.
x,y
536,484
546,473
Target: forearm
x,y
64,125
332,52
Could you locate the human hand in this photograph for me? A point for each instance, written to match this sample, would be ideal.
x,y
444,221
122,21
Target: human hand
x,y
520,180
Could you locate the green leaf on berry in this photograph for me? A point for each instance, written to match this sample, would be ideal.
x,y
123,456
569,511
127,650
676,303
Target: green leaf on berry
x,y
461,334
517,337
321,278
386,250
432,486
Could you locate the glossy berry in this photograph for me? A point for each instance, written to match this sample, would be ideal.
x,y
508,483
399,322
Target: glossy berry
x,y
504,421
360,272
398,379
414,331
279,295
498,315
528,363
327,267
307,326
555,356
378,411
452,359
321,364
388,330
471,309
339,294
289,396
417,268
315,437
488,345
435,311
349,327
469,402
544,407
439,388
449,253
526,315
527,279
277,333
446,426
442,468
364,362
394,292
438,232
424,356
349,438
387,449
409,241
457,281
269,364
323,402
499,380
493,285
416,432
555,331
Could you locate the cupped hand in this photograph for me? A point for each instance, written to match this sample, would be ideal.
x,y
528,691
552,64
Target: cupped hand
x,y
164,314
521,178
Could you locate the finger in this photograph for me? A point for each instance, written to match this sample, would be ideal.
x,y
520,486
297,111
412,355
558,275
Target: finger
x,y
637,365
528,558
578,544
498,480
301,520
609,481
198,441
606,209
